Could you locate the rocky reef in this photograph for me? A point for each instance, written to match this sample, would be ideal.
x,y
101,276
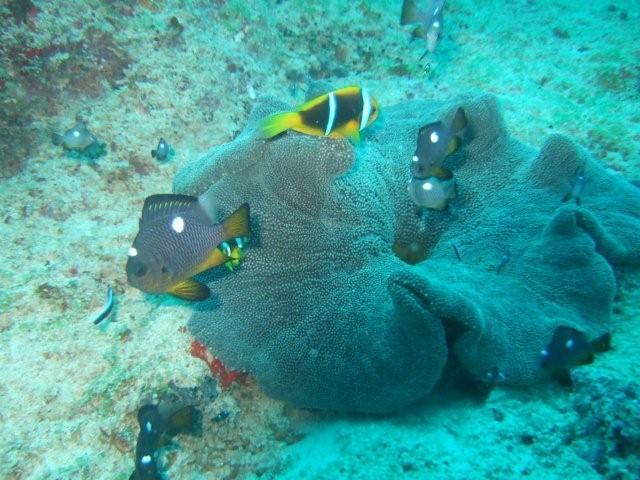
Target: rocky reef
x,y
325,312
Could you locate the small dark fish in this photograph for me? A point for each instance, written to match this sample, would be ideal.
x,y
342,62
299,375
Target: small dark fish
x,y
76,138
163,151
456,251
430,21
107,308
221,416
503,261
176,241
576,190
570,348
158,423
435,142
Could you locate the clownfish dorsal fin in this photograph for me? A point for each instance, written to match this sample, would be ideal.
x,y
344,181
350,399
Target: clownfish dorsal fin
x,y
161,205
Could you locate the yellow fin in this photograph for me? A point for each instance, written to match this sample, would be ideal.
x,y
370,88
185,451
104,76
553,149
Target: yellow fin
x,y
217,257
280,122
355,137
237,224
189,289
234,260
453,145
441,172
459,121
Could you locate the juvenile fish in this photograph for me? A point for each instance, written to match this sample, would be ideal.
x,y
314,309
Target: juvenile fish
x,y
107,308
158,423
432,192
176,241
338,114
576,191
163,151
76,138
435,142
430,21
570,348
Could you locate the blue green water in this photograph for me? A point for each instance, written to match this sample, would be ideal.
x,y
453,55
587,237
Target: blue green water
x,y
435,274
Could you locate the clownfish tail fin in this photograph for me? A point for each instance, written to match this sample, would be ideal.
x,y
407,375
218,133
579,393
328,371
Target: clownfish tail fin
x,y
276,124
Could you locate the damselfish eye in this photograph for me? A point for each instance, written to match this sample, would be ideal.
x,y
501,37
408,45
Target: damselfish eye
x,y
140,270
164,269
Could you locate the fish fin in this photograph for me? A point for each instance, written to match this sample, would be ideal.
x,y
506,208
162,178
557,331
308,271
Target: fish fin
x,y
190,289
314,102
566,197
587,359
280,122
602,343
459,121
215,258
440,172
57,139
154,153
185,420
355,137
409,13
237,224
453,145
166,203
563,377
420,32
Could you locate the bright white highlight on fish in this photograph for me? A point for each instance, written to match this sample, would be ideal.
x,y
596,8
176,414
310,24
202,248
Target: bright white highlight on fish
x,y
146,459
76,133
366,108
332,113
414,158
427,186
434,137
148,426
569,343
178,224
132,252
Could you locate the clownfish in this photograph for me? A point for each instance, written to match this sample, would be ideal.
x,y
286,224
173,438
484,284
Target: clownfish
x,y
338,114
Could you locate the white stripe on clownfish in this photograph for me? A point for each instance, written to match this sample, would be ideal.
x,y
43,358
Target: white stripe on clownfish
x,y
366,108
332,113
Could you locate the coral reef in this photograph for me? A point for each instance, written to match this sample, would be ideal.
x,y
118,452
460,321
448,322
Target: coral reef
x,y
326,316
607,431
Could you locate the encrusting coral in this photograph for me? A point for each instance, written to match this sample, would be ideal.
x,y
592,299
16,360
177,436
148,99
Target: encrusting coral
x,y
325,315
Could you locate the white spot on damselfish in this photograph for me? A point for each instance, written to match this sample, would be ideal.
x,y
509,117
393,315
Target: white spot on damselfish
x,y
569,343
76,133
434,137
178,224
132,252
148,426
146,459
427,186
414,158
544,353
436,24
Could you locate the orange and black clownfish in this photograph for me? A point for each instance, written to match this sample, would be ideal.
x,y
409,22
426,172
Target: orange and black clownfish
x,y
341,113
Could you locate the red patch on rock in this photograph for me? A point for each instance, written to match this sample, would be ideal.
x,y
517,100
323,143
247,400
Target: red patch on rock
x,y
217,368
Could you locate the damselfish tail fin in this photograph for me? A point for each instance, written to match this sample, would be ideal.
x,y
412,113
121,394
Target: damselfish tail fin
x,y
278,123
459,122
237,224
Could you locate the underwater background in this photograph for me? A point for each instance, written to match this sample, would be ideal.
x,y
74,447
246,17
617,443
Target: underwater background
x,y
192,73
